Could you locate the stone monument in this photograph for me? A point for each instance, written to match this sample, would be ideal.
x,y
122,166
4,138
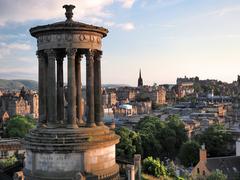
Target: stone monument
x,y
63,146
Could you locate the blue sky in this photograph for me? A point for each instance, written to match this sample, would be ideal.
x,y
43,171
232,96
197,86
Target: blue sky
x,y
165,38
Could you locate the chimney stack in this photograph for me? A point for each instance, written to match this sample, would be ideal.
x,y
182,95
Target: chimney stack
x,y
203,153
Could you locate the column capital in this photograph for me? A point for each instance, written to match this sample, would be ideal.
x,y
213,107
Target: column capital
x,y
60,55
79,57
71,51
40,54
98,55
90,54
50,53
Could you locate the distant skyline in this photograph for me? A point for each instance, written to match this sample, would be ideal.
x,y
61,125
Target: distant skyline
x,y
165,38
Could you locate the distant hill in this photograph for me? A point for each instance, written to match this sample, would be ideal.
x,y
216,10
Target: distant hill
x,y
17,84
114,85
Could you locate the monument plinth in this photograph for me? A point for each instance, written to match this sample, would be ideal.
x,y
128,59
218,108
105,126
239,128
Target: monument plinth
x,y
63,146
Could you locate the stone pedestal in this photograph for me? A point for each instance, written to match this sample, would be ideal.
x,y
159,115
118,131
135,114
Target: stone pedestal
x,y
63,153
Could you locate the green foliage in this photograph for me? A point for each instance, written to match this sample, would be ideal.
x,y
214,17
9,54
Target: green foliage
x,y
161,138
154,167
216,139
130,143
19,126
148,128
217,175
8,162
172,170
189,153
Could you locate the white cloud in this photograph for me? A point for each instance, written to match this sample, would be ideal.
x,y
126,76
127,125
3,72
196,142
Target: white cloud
x,y
7,49
225,10
232,36
18,46
4,37
16,11
129,26
127,3
169,2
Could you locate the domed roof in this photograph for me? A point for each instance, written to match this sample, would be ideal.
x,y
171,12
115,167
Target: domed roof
x,y
68,25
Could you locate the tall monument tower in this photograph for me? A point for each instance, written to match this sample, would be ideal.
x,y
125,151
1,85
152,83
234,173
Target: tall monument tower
x,y
63,146
140,80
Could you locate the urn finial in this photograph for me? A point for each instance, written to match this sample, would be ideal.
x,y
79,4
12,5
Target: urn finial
x,y
69,14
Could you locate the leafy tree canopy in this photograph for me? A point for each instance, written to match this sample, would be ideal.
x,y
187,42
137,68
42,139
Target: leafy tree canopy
x,y
161,138
19,126
130,143
154,167
217,175
8,162
189,153
217,140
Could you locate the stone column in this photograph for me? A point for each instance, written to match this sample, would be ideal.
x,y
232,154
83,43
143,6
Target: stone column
x,y
71,120
97,90
90,88
138,167
60,89
79,90
42,68
51,89
130,172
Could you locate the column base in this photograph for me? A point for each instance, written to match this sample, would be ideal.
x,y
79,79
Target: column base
x,y
81,122
91,125
52,125
100,123
72,126
42,125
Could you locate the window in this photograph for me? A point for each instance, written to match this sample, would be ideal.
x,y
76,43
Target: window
x,y
3,154
198,171
204,173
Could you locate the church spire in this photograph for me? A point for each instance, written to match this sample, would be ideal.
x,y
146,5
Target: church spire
x,y
140,81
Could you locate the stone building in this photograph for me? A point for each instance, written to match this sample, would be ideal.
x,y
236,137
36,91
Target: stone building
x,y
109,98
23,103
143,107
125,110
10,147
126,93
184,89
64,146
155,94
229,165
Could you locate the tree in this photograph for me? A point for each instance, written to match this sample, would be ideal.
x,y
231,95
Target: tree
x,y
172,170
175,123
217,140
154,167
189,153
148,128
130,143
8,162
217,175
161,138
19,126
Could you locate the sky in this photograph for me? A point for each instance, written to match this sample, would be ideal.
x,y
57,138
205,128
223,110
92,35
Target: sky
x,y
165,38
